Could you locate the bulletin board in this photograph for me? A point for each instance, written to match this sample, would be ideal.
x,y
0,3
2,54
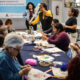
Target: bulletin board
x,y
14,8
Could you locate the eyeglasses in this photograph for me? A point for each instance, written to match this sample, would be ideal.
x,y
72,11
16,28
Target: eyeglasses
x,y
52,24
18,49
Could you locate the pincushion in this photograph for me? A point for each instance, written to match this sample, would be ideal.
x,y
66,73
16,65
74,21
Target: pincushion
x,y
32,62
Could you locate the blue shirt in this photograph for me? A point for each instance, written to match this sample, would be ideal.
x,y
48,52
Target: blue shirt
x,y
8,67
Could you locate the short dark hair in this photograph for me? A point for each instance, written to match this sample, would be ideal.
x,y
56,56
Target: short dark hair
x,y
1,40
1,22
44,5
75,12
59,26
27,7
55,21
74,69
8,21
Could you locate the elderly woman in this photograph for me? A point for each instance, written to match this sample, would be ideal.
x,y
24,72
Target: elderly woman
x,y
10,69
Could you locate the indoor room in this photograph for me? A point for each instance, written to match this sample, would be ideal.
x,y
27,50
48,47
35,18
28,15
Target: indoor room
x,y
39,39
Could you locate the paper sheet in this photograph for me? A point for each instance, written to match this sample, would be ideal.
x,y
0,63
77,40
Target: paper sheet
x,y
58,73
53,50
36,74
56,55
29,42
57,62
43,43
37,34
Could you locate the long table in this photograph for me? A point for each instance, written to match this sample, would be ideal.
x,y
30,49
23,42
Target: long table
x,y
27,52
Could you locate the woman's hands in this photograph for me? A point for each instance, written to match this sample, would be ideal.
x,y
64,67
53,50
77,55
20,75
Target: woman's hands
x,y
30,23
44,37
7,27
25,66
75,47
25,70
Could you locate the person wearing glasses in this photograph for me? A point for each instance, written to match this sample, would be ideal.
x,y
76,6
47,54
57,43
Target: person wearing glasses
x,y
59,38
10,69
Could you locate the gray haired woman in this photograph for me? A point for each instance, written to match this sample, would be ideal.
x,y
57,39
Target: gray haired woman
x,y
10,69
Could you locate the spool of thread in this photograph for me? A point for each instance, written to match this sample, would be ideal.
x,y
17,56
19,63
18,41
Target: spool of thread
x,y
31,62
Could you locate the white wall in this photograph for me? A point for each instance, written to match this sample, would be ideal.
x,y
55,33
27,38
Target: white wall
x,y
58,3
65,15
63,12
18,23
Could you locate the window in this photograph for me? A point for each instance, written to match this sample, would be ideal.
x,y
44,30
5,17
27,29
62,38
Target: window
x,y
72,3
78,2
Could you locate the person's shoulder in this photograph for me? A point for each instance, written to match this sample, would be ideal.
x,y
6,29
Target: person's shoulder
x,y
1,49
27,11
2,56
63,33
48,11
73,18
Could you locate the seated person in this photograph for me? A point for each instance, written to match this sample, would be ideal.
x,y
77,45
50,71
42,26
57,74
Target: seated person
x,y
8,24
54,22
60,38
1,42
74,69
10,69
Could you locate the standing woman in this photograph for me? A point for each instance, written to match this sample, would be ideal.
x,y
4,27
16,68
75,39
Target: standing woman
x,y
71,24
45,17
30,10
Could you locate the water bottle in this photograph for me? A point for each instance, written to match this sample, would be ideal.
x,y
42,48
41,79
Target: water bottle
x,y
32,31
29,32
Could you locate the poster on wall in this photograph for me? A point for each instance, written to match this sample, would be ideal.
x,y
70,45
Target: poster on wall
x,y
35,2
12,8
12,2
